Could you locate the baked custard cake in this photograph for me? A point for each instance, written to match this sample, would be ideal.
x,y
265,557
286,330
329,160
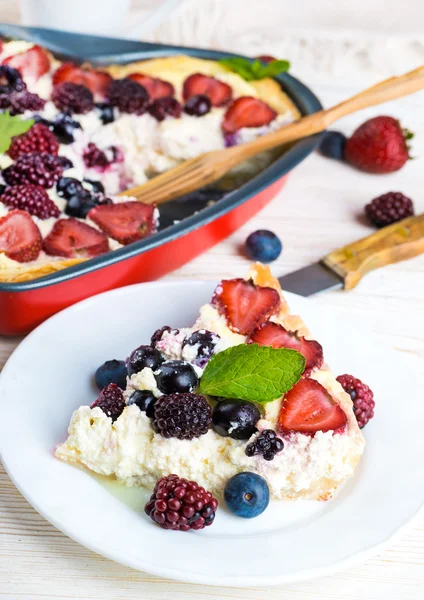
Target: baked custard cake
x,y
96,133
244,390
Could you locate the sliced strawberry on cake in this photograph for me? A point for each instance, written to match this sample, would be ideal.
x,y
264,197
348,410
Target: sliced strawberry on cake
x,y
20,238
125,222
32,63
218,92
244,304
96,81
247,111
71,238
275,335
157,88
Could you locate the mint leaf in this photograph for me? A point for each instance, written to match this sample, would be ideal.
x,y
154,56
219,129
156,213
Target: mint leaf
x,y
10,127
251,71
252,372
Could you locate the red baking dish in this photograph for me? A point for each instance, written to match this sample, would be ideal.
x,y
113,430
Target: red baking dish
x,y
25,305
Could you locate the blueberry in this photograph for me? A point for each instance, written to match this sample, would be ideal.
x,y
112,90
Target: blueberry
x,y
66,187
43,121
176,377
79,206
235,418
198,105
63,128
333,145
145,401
97,186
112,371
204,341
247,495
263,245
106,112
142,357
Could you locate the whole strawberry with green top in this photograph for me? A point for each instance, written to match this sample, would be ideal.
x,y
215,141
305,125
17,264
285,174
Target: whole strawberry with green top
x,y
378,146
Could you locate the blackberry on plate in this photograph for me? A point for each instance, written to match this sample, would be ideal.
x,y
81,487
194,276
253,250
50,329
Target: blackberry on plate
x,y
362,398
235,418
176,376
10,80
94,157
158,334
198,105
333,145
63,127
39,169
128,95
107,114
31,198
246,495
201,344
266,443
37,139
389,208
73,98
111,371
145,401
111,401
165,107
179,504
182,416
143,357
20,102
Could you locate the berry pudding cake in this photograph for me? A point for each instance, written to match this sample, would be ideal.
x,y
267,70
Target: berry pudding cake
x,y
73,137
240,406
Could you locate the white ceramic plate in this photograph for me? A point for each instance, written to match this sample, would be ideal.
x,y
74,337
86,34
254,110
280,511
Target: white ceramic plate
x,y
50,374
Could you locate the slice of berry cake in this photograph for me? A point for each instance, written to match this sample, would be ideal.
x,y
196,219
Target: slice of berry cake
x,y
246,389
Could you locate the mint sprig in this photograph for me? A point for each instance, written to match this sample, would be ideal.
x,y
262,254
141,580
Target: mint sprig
x,y
252,372
11,126
252,71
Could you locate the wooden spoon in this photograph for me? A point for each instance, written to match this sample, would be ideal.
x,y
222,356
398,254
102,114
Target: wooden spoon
x,y
207,168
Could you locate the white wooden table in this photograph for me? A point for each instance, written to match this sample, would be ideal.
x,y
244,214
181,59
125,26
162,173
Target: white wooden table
x,y
318,210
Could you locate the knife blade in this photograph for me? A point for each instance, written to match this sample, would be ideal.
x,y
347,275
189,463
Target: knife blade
x,y
345,267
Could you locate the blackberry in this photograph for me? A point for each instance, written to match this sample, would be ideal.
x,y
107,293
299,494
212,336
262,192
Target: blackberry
x,y
198,105
362,398
179,504
157,336
19,102
94,157
37,139
183,416
129,96
266,443
31,198
202,343
39,169
73,98
164,107
111,401
10,80
389,208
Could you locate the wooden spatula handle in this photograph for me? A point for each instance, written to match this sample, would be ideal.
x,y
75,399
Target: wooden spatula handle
x,y
386,246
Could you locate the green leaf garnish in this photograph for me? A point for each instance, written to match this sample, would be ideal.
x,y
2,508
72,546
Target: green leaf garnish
x,y
254,70
10,127
252,372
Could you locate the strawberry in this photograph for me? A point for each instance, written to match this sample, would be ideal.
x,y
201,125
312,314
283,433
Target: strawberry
x,y
247,111
308,408
20,238
32,63
218,92
156,88
266,58
244,304
73,239
125,222
273,334
96,81
378,146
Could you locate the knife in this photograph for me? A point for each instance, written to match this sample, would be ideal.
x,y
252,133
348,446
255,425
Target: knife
x,y
345,267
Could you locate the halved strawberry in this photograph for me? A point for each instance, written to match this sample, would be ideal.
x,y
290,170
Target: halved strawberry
x,y
96,81
275,335
244,304
219,93
20,238
247,111
125,222
308,408
73,239
32,63
156,88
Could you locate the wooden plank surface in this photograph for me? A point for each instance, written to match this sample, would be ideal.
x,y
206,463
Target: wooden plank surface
x,y
318,210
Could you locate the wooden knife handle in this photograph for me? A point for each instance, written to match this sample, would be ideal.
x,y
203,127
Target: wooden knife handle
x,y
386,246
